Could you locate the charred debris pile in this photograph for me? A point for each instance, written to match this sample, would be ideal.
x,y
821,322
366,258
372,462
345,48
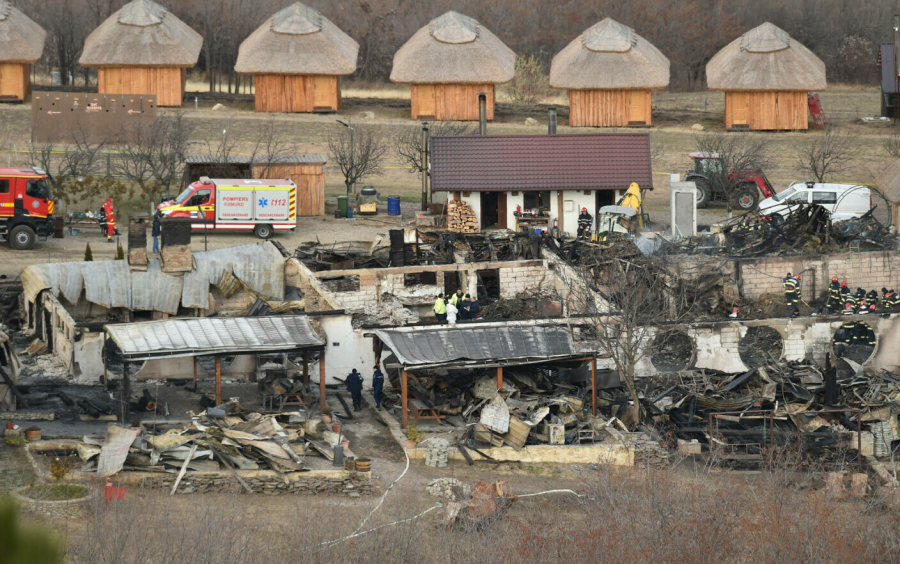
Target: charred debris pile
x,y
411,247
223,439
545,405
806,230
826,415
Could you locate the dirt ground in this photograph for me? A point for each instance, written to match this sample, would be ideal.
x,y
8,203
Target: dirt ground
x,y
674,115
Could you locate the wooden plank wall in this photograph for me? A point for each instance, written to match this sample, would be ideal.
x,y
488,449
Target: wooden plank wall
x,y
771,111
609,108
457,102
294,93
166,83
15,81
310,181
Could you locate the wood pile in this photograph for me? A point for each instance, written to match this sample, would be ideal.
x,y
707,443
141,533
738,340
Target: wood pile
x,y
461,217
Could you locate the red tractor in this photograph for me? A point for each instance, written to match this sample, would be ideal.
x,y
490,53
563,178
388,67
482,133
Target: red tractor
x,y
708,167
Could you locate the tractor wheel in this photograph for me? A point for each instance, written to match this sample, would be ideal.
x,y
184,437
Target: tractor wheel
x,y
747,198
704,192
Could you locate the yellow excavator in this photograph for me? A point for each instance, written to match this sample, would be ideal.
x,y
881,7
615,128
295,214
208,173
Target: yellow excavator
x,y
623,219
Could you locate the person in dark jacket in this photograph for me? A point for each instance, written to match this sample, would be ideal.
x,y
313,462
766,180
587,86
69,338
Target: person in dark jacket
x,y
354,384
834,296
377,386
465,308
475,309
157,229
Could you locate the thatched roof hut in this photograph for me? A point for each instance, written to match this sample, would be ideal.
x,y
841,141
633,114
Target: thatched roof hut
x,y
143,49
609,71
772,75
21,44
448,63
297,56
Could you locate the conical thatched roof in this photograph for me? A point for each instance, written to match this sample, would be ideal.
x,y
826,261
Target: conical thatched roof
x,y
21,40
888,182
142,33
765,58
454,49
609,55
298,40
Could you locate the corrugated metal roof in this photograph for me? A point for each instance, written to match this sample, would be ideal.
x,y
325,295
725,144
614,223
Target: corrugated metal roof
x,y
259,159
604,161
213,335
112,284
478,345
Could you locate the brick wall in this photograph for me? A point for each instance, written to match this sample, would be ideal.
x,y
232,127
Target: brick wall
x,y
516,280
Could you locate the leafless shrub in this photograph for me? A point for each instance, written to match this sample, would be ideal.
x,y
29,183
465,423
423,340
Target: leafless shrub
x,y
410,141
531,82
827,154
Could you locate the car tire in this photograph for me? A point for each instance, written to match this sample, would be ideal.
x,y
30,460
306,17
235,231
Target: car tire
x,y
264,231
22,238
704,192
747,198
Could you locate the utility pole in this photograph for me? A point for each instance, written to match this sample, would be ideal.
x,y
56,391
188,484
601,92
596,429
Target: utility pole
x,y
425,166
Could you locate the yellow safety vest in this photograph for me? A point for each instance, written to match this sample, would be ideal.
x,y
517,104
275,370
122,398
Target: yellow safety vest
x,y
440,306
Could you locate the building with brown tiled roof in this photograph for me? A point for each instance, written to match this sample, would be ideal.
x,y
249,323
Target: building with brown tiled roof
x,y
498,175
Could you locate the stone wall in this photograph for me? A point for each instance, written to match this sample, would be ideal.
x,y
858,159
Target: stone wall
x,y
519,279
759,276
351,484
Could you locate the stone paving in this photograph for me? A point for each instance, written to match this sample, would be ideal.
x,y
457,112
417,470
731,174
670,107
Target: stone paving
x,y
15,471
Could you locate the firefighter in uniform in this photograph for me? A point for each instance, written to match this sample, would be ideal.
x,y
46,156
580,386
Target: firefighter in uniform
x,y
861,306
872,301
584,224
866,335
833,305
791,291
110,219
889,299
849,302
844,336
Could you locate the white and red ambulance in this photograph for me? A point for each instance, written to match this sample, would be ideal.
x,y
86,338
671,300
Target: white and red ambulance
x,y
262,206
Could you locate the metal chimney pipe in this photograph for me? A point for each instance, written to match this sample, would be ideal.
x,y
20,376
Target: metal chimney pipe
x,y
482,113
551,121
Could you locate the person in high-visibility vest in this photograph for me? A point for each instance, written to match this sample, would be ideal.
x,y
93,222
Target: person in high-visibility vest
x,y
440,309
110,210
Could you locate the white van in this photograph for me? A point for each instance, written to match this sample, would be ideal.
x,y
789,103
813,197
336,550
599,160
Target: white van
x,y
844,201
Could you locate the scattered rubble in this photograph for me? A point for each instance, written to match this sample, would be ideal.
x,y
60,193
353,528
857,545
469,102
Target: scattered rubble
x,y
449,489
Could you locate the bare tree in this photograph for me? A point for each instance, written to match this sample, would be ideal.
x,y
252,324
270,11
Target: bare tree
x,y
359,150
827,154
153,156
737,154
627,300
411,142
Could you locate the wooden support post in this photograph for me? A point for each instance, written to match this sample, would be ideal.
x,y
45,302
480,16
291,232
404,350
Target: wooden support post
x,y
594,386
218,380
195,373
306,369
404,400
499,377
322,381
126,393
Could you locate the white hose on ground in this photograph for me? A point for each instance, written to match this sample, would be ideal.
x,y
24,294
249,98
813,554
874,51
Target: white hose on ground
x,y
381,501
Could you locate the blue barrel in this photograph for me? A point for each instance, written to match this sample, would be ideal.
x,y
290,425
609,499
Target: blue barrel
x,y
393,205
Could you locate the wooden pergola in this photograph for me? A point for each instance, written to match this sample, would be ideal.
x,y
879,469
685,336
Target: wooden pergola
x,y
497,346
216,337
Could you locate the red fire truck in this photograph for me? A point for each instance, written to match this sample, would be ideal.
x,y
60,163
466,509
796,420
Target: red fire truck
x,y
261,206
26,210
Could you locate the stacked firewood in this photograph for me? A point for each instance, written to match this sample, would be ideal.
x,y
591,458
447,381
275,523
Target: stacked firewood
x,y
461,218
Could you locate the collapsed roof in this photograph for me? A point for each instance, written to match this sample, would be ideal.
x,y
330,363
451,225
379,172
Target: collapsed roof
x,y
112,284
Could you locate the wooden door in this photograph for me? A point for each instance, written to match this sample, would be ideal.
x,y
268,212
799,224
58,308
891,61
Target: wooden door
x,y
8,78
636,107
501,210
323,92
740,108
426,100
